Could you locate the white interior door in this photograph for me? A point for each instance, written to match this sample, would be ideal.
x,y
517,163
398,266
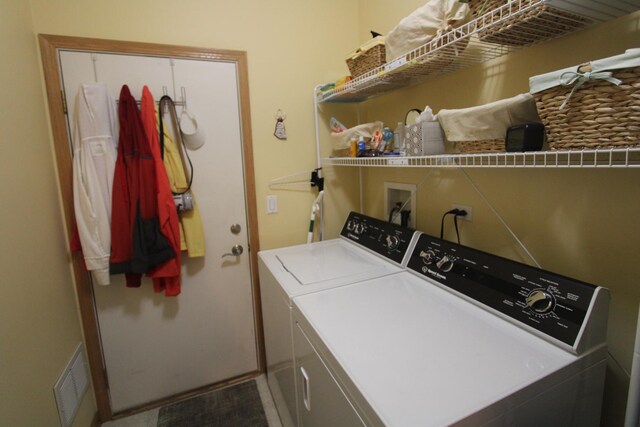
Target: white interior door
x,y
154,346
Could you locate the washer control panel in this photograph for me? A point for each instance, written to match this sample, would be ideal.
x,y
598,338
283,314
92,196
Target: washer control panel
x,y
384,238
552,304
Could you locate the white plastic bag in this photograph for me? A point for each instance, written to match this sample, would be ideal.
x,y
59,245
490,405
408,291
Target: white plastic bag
x,y
423,24
366,130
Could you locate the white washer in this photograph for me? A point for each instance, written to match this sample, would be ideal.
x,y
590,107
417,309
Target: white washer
x,y
461,338
367,248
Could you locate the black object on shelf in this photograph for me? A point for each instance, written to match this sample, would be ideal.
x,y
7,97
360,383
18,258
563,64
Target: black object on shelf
x,y
527,137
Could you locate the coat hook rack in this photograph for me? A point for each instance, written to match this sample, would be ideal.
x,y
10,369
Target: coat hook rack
x,y
179,103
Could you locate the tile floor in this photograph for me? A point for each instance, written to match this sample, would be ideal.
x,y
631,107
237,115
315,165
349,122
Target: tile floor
x,y
150,418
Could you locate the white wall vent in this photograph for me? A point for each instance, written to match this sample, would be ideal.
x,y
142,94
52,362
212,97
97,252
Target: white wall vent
x,y
70,387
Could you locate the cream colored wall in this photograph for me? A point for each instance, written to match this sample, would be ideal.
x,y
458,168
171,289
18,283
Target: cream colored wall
x,y
39,326
382,15
291,48
580,223
573,221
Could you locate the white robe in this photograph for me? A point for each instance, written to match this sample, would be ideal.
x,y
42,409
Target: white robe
x,y
94,158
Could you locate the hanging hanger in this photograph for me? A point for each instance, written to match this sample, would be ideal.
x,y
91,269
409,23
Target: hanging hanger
x,y
183,94
94,58
306,179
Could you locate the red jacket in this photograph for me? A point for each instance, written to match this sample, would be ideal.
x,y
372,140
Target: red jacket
x,y
166,277
137,245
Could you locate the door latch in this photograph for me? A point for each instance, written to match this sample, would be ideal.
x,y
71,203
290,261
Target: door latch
x,y
236,250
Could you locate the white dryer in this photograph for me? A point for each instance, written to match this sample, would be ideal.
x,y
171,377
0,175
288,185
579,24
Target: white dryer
x,y
367,248
461,338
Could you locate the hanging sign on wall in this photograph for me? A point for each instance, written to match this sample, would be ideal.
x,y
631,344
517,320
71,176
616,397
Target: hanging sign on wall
x,y
280,132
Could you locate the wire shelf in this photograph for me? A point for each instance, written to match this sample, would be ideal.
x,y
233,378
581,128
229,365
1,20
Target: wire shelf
x,y
467,45
588,159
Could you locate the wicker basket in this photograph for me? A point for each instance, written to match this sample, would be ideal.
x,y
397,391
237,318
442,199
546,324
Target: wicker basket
x,y
488,145
598,114
537,24
483,128
363,61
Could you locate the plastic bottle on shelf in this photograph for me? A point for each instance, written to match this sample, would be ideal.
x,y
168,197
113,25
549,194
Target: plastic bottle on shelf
x,y
387,138
362,147
353,147
398,137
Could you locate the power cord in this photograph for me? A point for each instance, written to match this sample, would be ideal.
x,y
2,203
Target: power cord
x,y
395,211
456,213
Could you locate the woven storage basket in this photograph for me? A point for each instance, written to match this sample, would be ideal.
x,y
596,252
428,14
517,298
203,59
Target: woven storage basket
x,y
483,128
363,61
487,145
598,114
539,23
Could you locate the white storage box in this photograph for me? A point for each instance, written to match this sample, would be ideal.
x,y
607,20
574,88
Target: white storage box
x,y
423,139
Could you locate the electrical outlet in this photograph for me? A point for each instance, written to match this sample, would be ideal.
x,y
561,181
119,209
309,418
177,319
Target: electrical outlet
x,y
469,209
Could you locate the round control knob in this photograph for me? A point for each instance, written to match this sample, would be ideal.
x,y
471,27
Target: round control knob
x,y
540,301
392,242
350,225
428,257
445,264
359,228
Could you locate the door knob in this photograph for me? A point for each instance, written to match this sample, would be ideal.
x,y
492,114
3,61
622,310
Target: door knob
x,y
236,250
235,228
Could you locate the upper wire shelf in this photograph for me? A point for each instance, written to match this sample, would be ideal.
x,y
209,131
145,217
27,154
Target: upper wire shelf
x,y
598,158
511,27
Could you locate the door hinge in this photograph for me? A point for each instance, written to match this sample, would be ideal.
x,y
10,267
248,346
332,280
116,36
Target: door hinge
x,y
64,101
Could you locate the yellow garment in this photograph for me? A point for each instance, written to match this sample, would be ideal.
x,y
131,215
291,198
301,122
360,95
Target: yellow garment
x,y
191,231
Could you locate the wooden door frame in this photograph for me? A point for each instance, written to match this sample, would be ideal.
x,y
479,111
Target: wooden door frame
x,y
49,48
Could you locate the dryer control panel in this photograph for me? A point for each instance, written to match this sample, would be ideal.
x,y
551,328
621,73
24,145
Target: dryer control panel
x,y
384,238
552,304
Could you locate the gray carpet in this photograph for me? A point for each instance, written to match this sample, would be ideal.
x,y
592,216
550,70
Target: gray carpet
x,y
237,406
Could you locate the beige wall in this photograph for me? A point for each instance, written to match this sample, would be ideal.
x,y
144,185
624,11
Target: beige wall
x,y
291,48
580,223
574,222
39,326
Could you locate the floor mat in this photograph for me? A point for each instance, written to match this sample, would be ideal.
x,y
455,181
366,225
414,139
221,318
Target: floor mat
x,y
237,406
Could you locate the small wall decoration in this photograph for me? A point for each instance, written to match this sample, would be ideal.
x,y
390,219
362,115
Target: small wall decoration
x,y
280,131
